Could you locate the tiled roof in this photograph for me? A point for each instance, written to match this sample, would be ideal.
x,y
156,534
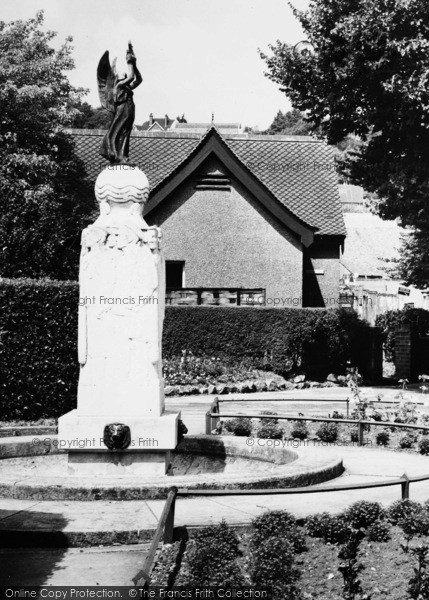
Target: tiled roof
x,y
298,171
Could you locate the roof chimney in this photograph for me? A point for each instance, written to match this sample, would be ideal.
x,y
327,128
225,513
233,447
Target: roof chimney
x,y
166,122
150,119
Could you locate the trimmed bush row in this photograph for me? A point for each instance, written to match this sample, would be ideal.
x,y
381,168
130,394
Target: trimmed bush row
x,y
38,326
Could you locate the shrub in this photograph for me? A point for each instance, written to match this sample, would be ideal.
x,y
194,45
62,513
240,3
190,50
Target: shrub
x,y
354,435
349,566
299,430
270,431
407,440
328,432
383,438
337,415
418,585
38,321
379,532
401,508
212,557
364,513
418,318
317,524
273,421
272,566
415,523
332,529
240,426
277,523
424,446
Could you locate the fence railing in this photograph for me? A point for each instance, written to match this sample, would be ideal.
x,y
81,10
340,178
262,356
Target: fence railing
x,y
166,522
166,527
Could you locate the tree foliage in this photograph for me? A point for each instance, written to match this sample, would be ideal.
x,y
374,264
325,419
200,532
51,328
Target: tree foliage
x,y
88,117
368,77
43,204
289,123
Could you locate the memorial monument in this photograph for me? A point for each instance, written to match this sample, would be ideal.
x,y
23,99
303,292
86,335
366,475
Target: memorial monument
x,y
120,425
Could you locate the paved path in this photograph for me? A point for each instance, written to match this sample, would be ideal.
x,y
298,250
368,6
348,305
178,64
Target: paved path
x,y
114,565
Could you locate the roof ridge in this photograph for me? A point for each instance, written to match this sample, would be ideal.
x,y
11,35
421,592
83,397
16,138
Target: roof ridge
x,y
186,135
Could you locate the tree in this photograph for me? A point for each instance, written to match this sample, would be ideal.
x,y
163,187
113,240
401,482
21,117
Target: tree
x,y
44,200
88,117
289,123
367,76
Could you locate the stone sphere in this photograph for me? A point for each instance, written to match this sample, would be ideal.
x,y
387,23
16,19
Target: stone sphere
x,y
122,183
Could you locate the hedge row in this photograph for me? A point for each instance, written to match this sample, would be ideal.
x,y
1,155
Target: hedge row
x,y
287,340
38,327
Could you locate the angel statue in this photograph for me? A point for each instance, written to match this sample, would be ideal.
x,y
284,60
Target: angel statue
x,y
116,96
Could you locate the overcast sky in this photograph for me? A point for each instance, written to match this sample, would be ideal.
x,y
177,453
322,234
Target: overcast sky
x,y
196,56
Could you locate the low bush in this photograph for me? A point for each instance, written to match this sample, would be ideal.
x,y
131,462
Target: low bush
x,y
383,438
364,513
332,529
337,415
418,585
423,446
270,431
299,430
277,523
188,369
240,426
272,566
415,523
328,432
401,508
273,421
354,435
212,558
407,440
317,524
379,532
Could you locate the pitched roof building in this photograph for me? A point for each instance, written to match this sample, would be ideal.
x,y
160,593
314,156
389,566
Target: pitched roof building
x,y
243,216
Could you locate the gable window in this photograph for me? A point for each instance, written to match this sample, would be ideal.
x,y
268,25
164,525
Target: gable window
x,y
174,274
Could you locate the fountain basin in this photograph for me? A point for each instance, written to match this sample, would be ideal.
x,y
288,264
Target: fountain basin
x,y
38,471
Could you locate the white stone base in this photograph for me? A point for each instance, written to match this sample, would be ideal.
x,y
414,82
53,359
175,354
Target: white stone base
x,y
84,433
118,464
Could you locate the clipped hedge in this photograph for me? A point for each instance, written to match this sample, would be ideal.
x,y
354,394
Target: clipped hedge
x,y
38,356
38,353
287,340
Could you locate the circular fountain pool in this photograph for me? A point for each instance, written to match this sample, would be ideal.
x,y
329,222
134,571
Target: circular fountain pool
x,y
199,462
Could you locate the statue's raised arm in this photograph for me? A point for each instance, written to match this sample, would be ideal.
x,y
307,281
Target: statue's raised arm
x,y
116,96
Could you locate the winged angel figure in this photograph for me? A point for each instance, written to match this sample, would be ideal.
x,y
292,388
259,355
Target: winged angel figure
x,y
116,96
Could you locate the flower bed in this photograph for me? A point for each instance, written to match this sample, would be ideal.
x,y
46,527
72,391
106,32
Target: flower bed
x,y
376,553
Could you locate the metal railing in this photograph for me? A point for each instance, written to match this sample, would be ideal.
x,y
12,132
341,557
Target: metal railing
x,y
166,522
166,526
213,418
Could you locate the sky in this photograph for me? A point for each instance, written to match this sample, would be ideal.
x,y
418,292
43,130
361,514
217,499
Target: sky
x,y
197,57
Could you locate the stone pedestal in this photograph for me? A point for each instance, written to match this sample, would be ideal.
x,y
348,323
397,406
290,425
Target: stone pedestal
x,y
120,425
